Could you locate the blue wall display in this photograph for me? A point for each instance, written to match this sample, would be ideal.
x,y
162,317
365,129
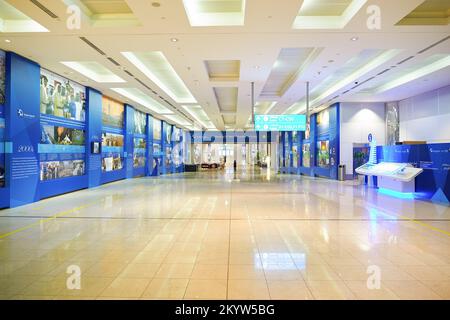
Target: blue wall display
x,y
114,141
62,145
4,190
128,141
94,135
318,146
434,182
22,129
139,143
157,148
57,136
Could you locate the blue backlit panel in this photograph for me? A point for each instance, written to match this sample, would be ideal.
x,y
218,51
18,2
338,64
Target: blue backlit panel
x,y
291,122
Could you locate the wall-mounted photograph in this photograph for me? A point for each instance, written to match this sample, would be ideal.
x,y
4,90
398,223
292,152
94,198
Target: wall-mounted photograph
x,y
112,139
140,122
156,129
112,162
61,135
61,97
52,170
323,154
306,155
112,113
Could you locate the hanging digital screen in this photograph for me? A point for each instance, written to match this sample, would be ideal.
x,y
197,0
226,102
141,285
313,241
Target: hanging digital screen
x,y
280,122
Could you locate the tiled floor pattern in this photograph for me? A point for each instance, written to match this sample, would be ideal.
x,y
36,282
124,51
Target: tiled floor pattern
x,y
225,236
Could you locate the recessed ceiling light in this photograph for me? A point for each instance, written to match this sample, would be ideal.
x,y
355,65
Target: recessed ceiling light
x,y
174,39
8,41
257,67
354,38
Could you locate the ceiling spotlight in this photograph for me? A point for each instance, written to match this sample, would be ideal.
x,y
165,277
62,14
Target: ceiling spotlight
x,y
354,38
8,41
174,39
257,67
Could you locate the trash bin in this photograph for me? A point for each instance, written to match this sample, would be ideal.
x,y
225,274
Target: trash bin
x,y
341,172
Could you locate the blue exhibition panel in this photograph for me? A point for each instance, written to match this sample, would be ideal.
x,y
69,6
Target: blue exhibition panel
x,y
434,182
22,129
4,190
140,143
62,145
57,136
314,152
94,136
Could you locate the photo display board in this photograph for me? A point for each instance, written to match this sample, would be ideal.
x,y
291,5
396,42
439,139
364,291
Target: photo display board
x,y
323,143
140,139
2,118
156,129
112,135
177,150
62,122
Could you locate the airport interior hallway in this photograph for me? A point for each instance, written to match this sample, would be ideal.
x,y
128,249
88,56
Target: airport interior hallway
x,y
226,236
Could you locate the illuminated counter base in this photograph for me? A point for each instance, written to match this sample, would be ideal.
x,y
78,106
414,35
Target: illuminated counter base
x,y
399,177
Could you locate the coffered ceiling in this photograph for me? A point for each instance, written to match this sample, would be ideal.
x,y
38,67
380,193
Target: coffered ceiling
x,y
192,62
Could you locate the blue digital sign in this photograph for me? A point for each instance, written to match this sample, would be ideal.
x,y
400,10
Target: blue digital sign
x,y
290,122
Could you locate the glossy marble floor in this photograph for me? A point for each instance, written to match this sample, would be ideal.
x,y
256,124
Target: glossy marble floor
x,y
225,236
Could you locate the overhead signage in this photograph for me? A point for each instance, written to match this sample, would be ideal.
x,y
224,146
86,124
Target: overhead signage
x,y
288,122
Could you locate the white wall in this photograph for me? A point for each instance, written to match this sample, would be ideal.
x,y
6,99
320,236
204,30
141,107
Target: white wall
x,y
426,117
357,121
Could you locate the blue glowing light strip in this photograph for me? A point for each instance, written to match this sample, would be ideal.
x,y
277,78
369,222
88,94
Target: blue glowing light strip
x,y
397,194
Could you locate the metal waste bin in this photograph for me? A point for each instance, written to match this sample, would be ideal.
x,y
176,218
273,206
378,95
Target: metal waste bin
x,y
341,172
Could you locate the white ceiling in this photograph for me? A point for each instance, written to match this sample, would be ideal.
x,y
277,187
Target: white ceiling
x,y
267,30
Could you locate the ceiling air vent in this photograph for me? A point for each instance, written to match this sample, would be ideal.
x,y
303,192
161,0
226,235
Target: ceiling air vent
x,y
93,46
44,8
114,62
141,82
404,60
383,72
129,73
434,45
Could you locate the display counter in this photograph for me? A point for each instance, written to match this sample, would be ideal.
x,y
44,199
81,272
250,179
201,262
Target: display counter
x,y
398,177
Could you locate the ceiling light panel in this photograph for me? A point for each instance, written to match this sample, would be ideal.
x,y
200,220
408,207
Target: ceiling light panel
x,y
94,71
226,98
229,119
355,68
291,62
427,66
223,70
208,13
429,12
106,13
159,70
144,100
326,14
13,20
199,115
106,7
178,120
264,107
